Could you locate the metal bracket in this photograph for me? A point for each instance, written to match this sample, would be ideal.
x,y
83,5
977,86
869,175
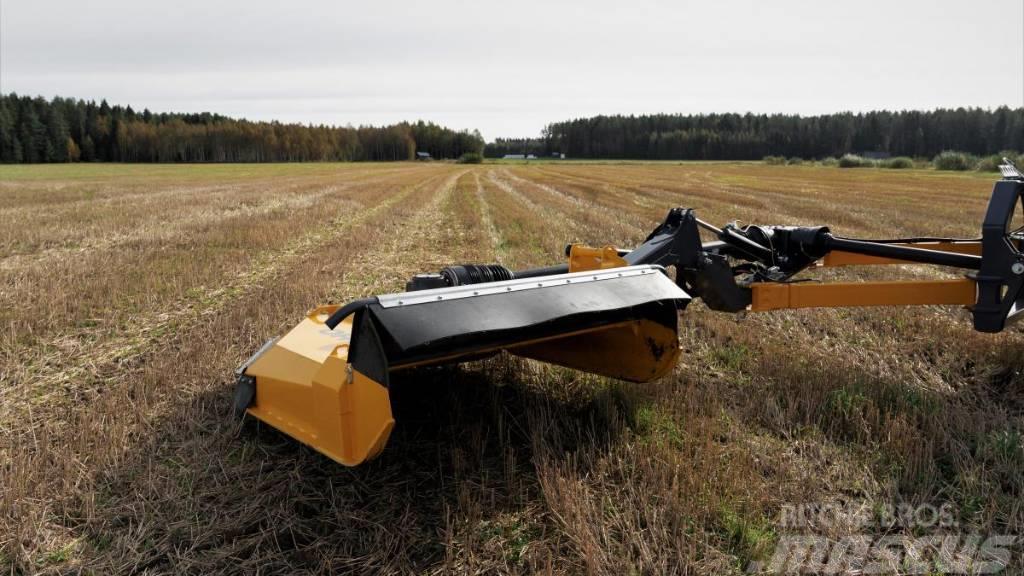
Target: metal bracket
x,y
245,385
1000,291
245,394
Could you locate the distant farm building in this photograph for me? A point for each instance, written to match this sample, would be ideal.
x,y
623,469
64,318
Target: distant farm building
x,y
423,155
518,157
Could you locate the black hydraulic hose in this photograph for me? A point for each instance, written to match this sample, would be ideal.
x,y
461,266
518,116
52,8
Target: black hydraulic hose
x,y
744,244
350,308
545,271
920,255
709,227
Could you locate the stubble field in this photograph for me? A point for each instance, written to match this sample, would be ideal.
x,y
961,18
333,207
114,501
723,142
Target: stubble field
x,y
129,294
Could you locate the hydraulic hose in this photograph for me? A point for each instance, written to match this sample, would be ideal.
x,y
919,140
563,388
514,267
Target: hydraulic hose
x,y
921,255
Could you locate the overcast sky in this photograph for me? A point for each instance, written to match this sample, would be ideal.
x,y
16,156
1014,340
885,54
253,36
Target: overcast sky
x,y
510,67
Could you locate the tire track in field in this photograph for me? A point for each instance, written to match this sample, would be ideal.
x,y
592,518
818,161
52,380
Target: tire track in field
x,y
497,243
421,247
533,233
542,211
612,217
43,385
610,228
638,196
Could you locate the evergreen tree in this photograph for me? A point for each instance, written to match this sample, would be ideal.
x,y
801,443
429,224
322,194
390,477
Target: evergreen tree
x,y
10,147
66,129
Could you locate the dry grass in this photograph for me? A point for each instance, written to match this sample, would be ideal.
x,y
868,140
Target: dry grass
x,y
128,294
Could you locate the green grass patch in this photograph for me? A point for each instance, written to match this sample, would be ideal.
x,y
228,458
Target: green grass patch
x,y
514,534
731,357
749,539
57,556
845,402
652,423
1003,445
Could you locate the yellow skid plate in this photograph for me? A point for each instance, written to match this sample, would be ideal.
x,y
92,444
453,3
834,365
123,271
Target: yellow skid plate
x,y
304,388
637,351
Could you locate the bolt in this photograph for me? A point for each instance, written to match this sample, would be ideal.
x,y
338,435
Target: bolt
x,y
1017,268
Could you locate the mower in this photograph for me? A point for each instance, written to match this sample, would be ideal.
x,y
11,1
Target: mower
x,y
605,311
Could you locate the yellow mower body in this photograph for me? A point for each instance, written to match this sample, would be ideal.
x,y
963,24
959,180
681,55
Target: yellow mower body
x,y
304,385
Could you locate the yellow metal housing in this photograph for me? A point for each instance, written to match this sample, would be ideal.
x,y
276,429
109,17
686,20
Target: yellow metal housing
x,y
637,351
582,258
772,296
306,389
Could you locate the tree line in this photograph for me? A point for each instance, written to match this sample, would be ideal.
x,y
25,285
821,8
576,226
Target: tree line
x,y
749,136
71,130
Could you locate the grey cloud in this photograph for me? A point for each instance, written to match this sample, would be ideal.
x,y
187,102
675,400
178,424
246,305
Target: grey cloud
x,y
508,68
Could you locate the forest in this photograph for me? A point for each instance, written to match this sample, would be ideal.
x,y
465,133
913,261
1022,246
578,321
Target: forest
x,y
36,130
976,131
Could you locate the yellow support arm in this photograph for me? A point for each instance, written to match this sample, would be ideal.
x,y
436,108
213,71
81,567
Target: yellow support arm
x,y
771,296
